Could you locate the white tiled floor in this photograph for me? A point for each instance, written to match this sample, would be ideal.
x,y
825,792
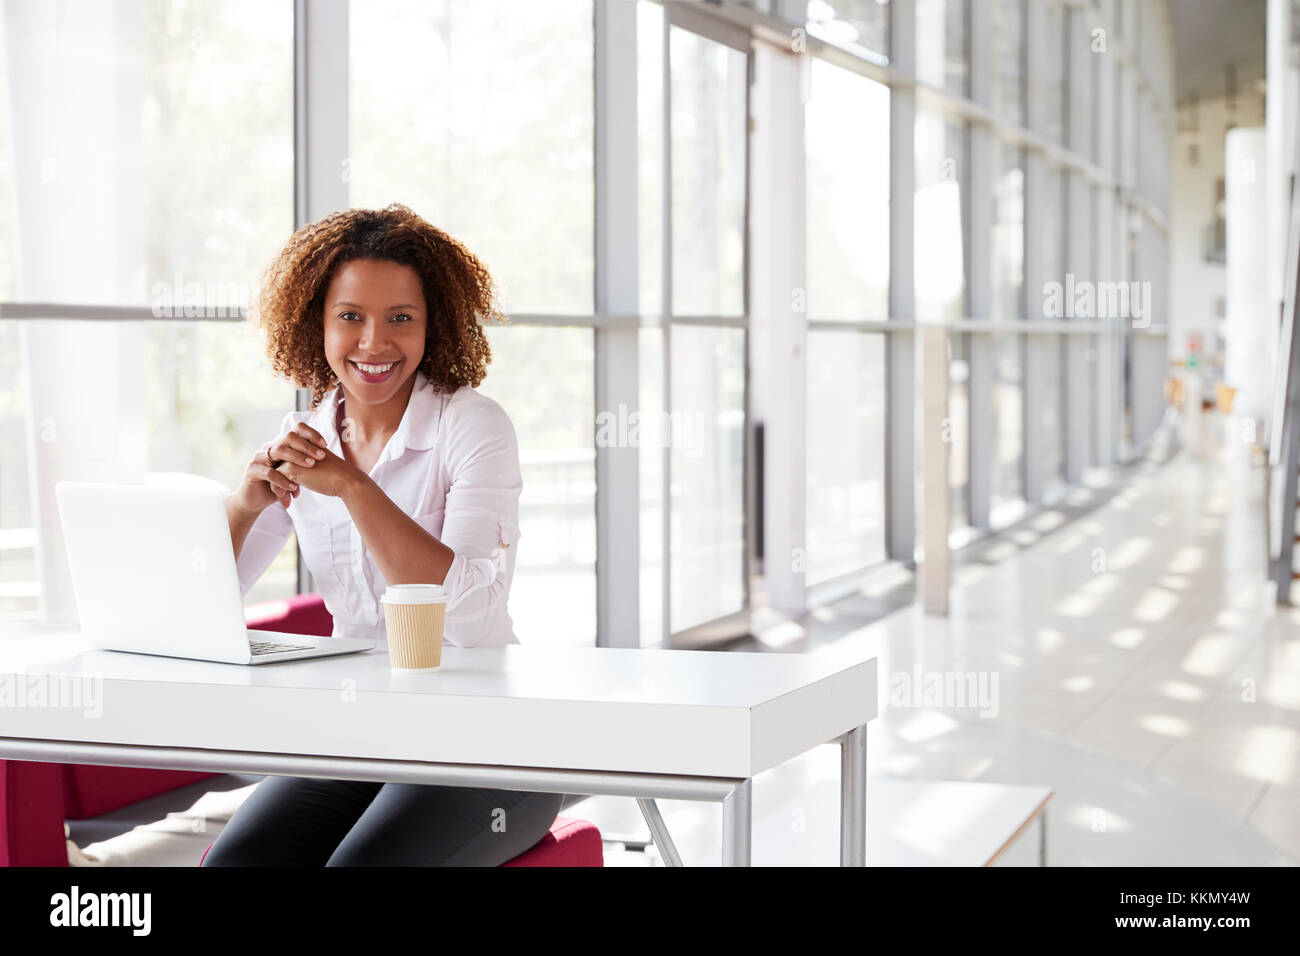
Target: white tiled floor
x,y
1142,672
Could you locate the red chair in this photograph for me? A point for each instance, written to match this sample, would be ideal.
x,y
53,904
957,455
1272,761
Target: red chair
x,y
571,842
36,797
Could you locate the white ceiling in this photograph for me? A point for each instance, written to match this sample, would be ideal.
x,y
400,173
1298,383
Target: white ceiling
x,y
1210,35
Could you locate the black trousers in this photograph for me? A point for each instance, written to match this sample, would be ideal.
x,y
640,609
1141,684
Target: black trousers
x,y
301,821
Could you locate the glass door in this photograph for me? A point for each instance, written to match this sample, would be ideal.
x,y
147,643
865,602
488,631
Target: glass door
x,y
708,104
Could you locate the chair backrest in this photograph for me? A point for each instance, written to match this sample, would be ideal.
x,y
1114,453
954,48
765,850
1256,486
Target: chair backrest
x,y
31,814
300,614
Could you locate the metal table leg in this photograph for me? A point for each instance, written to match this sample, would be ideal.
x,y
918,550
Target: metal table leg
x,y
737,824
853,797
659,832
1042,838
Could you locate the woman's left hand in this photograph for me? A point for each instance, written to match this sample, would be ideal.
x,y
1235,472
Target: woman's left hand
x,y
325,476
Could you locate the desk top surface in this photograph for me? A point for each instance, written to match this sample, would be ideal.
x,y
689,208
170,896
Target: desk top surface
x,y
650,710
646,675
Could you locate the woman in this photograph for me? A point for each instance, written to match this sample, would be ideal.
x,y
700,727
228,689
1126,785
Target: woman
x,y
410,476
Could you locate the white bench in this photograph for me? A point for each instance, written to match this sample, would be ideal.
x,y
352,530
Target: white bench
x,y
909,823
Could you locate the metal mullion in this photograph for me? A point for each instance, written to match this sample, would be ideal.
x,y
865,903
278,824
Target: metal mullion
x,y
711,321
666,309
1077,373
862,325
320,134
597,320
100,313
616,341
1103,105
748,478
780,348
980,196
1033,382
144,313
900,374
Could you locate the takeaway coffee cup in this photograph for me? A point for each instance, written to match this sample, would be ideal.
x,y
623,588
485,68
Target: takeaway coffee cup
x,y
414,615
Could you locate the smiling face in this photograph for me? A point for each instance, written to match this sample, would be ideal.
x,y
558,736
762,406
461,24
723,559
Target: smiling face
x,y
374,325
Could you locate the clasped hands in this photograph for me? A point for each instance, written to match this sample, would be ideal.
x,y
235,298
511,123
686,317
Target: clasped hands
x,y
303,457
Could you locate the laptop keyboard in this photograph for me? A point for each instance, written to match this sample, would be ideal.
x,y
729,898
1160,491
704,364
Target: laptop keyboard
x,y
275,647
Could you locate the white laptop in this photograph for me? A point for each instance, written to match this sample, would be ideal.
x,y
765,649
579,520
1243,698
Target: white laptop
x,y
153,570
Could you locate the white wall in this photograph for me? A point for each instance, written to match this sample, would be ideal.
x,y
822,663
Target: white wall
x,y
1251,314
1199,285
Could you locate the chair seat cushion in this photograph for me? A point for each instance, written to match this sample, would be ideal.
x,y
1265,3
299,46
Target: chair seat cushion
x,y
571,842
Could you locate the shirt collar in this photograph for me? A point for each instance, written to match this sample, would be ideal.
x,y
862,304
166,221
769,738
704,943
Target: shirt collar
x,y
417,429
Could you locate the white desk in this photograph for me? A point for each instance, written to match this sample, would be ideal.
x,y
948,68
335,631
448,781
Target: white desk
x,y
651,724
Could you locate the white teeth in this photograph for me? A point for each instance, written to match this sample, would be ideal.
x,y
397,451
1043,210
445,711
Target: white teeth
x,y
374,369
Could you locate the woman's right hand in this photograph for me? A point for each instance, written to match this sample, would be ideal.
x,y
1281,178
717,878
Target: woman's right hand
x,y
262,485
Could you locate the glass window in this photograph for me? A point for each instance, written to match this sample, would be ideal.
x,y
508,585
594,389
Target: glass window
x,y
941,58
851,23
479,116
707,441
650,349
1008,256
1051,351
762,6
1009,60
152,143
1098,379
847,135
940,217
709,89
1098,108
846,453
8,224
1052,237
200,399
1053,355
1077,98
1054,87
20,584
1008,350
650,386
650,156
544,379
957,432
1008,416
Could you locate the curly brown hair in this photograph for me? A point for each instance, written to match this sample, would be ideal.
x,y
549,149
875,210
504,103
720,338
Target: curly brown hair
x,y
458,292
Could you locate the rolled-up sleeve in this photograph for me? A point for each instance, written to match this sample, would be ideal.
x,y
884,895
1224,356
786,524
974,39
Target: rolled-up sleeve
x,y
481,523
265,539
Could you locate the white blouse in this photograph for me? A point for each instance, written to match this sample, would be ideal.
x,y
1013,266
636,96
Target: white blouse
x,y
453,466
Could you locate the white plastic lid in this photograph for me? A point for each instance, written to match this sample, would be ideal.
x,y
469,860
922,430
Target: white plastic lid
x,y
414,594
